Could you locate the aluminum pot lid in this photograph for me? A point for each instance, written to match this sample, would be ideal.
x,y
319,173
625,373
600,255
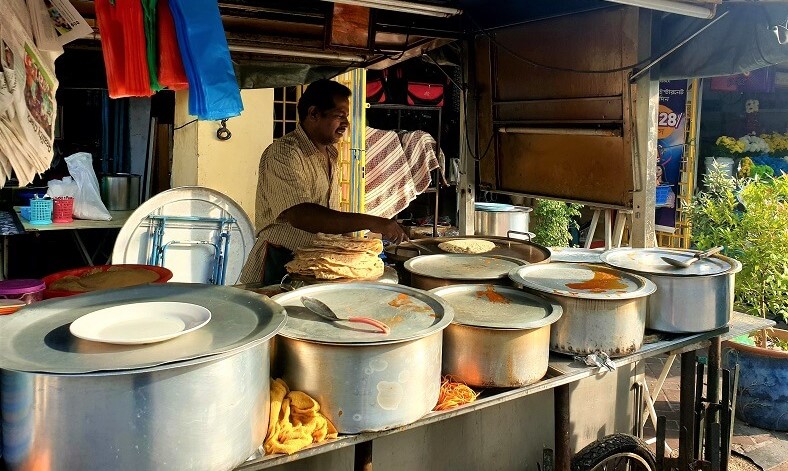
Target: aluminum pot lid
x,y
650,261
409,312
576,255
40,342
498,307
583,281
462,266
494,207
190,244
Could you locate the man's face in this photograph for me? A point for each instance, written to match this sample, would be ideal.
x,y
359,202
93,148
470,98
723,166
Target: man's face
x,y
331,125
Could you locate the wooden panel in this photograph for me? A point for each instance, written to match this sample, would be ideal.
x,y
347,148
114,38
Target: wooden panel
x,y
350,26
588,41
574,167
582,109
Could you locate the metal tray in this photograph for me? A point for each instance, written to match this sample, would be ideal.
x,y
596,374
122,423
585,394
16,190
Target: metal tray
x,y
554,278
188,263
498,307
419,315
37,339
650,261
524,250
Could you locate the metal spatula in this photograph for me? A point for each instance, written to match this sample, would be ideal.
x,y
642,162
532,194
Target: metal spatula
x,y
687,263
319,308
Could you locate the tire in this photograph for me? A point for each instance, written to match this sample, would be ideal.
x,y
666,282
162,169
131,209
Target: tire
x,y
611,447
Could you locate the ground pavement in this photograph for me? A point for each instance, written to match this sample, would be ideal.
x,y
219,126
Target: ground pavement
x,y
767,449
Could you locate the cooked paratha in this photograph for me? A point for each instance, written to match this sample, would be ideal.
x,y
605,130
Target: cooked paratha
x,y
332,257
472,246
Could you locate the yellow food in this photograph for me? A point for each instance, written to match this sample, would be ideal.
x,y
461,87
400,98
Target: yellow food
x,y
295,421
454,394
334,257
114,277
472,246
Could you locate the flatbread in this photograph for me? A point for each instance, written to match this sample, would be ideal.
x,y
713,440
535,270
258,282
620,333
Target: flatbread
x,y
472,246
331,257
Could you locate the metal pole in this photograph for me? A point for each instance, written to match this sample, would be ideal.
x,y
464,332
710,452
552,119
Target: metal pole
x,y
437,176
563,452
713,392
687,411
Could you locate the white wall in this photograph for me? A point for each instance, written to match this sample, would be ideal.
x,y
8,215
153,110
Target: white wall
x,y
200,158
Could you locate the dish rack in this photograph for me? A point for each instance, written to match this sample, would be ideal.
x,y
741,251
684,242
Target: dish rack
x,y
39,211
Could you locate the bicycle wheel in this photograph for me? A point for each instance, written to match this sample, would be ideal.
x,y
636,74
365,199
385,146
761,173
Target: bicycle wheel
x,y
618,452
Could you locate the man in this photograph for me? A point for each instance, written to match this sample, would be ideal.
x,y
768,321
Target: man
x,y
298,191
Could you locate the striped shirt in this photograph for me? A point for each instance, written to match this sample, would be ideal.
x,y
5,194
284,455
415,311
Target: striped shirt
x,y
292,171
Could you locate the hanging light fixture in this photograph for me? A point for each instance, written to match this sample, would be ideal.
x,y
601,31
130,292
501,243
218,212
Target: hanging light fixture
x,y
403,7
671,6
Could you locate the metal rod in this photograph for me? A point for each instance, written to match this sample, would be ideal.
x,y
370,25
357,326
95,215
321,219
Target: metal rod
x,y
404,7
562,131
563,452
671,6
701,409
713,390
661,425
730,416
687,411
363,456
670,51
437,176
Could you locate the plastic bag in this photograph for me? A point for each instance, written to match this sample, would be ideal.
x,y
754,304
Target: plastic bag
x,y
87,200
65,187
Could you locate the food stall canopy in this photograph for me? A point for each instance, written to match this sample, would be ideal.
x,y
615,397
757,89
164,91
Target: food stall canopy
x,y
744,40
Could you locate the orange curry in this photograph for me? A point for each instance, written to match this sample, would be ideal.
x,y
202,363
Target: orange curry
x,y
492,296
601,282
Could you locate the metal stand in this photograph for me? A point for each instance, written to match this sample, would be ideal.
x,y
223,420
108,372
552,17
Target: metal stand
x,y
436,178
220,247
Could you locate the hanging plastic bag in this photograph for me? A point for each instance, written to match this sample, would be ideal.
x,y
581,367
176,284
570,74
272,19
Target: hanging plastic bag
x,y
123,45
87,201
171,72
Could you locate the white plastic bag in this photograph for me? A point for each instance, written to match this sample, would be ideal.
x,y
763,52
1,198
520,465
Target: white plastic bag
x,y
87,201
65,187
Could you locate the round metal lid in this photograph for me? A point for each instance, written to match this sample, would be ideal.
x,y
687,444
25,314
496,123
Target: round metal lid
x,y
581,280
498,307
494,207
650,261
189,261
462,266
39,341
576,255
409,312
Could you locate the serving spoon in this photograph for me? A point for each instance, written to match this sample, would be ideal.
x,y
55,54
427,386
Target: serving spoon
x,y
319,308
687,263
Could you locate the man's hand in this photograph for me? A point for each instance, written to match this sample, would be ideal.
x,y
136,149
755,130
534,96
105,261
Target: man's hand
x,y
390,230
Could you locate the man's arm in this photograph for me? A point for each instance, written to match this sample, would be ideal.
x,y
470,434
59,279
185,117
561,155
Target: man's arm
x,y
314,218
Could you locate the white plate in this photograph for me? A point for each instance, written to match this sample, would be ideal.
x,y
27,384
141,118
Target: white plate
x,y
140,323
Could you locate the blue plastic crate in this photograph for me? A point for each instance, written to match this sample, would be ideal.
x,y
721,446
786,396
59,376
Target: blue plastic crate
x,y
40,211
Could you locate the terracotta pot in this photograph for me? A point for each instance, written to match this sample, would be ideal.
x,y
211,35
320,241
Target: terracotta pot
x,y
763,383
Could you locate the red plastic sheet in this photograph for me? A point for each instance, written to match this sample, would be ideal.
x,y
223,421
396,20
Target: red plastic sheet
x,y
171,72
124,47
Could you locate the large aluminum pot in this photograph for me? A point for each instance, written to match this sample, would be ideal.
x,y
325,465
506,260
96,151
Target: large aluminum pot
x,y
500,336
365,380
121,191
493,219
199,401
207,416
433,271
604,309
688,300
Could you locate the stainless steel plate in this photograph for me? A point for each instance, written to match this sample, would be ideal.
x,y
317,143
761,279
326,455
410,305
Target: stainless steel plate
x,y
188,263
581,280
650,261
37,339
463,267
498,307
576,255
409,312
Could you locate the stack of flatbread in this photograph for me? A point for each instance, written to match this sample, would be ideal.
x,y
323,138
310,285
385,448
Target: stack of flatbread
x,y
331,257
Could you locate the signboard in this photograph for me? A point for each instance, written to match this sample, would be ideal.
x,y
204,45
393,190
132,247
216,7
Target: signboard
x,y
671,121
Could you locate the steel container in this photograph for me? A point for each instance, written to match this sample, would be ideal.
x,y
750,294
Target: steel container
x,y
691,300
121,191
428,272
501,343
206,416
199,401
364,380
493,219
598,319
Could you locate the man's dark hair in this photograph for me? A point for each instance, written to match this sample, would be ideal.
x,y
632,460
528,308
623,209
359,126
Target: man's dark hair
x,y
321,94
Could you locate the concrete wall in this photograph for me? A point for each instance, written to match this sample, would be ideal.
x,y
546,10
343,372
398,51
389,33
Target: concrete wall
x,y
199,158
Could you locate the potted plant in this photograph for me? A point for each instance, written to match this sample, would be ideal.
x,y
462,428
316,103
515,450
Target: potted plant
x,y
750,219
552,220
